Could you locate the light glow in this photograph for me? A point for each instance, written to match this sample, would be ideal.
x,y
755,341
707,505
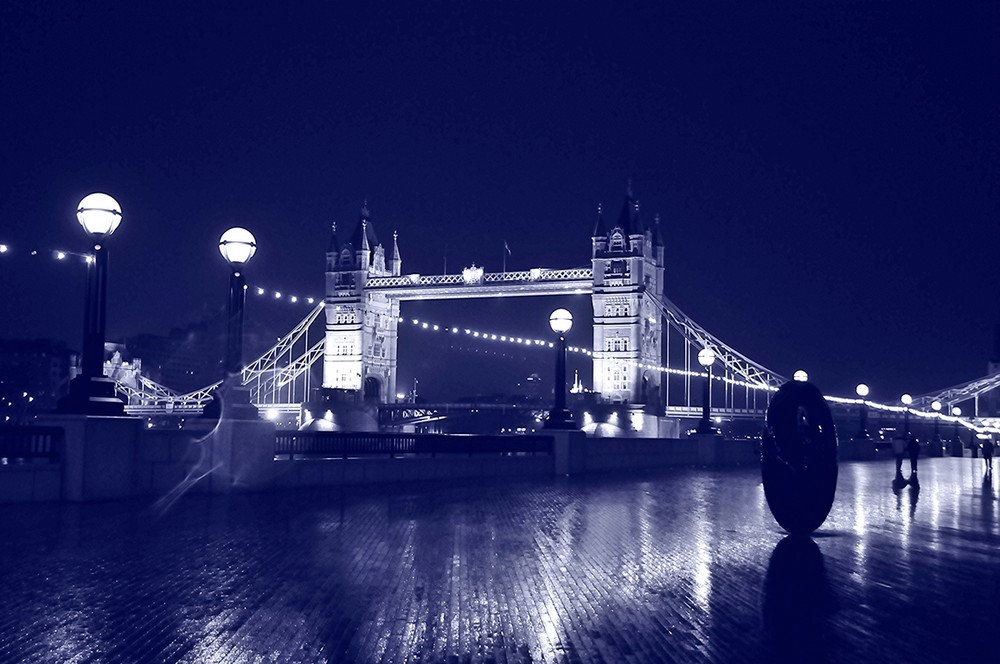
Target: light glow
x,y
237,245
99,214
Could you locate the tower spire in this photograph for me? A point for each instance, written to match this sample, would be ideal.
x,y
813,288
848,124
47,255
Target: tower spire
x,y
397,262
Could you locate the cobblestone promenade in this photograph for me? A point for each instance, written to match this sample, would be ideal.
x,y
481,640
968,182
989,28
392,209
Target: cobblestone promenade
x,y
681,565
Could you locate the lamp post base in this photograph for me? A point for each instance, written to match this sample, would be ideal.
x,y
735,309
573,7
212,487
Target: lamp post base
x,y
231,401
705,428
560,418
90,395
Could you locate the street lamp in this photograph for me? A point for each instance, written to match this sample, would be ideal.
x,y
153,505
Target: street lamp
x,y
906,399
801,376
237,245
91,392
706,358
862,391
936,407
957,412
561,321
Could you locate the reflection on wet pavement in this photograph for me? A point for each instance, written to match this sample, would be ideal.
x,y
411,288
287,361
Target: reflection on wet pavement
x,y
680,565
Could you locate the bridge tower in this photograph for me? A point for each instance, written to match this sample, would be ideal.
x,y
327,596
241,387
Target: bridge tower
x,y
361,327
628,329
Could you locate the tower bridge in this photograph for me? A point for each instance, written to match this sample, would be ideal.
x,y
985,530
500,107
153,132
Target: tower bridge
x,y
643,347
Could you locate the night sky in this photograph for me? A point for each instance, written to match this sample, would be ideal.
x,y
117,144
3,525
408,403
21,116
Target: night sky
x,y
827,173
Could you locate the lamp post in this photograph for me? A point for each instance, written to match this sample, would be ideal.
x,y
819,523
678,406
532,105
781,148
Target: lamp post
x,y
560,321
957,412
91,392
801,376
936,407
862,391
706,358
237,245
906,400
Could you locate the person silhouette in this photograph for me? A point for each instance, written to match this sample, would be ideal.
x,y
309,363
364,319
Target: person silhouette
x,y
987,446
899,450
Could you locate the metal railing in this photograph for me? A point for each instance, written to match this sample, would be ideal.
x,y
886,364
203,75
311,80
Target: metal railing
x,y
22,444
330,444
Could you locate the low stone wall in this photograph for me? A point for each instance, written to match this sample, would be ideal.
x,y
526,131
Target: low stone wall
x,y
166,458
338,472
602,454
30,482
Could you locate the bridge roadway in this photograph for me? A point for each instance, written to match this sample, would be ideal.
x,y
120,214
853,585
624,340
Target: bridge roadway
x,y
684,565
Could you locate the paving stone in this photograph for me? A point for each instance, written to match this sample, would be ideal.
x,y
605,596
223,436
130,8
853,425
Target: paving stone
x,y
681,565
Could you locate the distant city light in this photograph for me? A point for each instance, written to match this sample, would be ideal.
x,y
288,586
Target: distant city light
x,y
60,255
4,249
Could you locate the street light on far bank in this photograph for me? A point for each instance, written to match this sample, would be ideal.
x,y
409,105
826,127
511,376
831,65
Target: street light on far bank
x,y
906,400
561,321
863,391
956,412
936,407
91,393
706,358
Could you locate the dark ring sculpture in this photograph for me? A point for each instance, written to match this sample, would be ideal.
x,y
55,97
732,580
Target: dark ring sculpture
x,y
799,457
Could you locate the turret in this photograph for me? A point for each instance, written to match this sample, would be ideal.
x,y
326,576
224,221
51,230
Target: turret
x,y
397,262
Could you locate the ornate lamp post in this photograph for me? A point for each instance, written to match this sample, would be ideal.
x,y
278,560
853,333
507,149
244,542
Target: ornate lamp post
x,y
906,400
560,321
91,392
862,391
706,358
237,246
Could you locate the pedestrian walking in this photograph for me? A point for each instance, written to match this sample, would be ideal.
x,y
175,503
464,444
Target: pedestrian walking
x,y
899,449
987,446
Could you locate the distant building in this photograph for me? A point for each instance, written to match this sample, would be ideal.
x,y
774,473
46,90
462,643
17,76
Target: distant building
x,y
34,374
186,359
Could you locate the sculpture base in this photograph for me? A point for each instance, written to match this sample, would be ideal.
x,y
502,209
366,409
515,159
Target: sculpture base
x,y
91,395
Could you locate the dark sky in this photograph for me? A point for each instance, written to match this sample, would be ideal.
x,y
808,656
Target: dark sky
x,y
827,173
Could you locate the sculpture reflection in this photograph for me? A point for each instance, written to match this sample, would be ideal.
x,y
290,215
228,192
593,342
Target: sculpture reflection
x,y
798,602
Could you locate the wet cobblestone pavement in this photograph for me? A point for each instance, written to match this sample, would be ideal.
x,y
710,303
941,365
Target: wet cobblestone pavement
x,y
676,566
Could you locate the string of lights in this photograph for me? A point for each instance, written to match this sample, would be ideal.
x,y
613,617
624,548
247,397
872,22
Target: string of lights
x,y
57,254
279,295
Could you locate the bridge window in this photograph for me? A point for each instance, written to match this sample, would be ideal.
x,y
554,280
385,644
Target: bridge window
x,y
617,270
616,344
617,378
615,310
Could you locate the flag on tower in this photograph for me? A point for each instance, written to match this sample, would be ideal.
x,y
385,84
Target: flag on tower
x,y
505,246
